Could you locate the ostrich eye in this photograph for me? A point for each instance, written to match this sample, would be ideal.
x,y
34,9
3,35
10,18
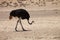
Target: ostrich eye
x,y
10,17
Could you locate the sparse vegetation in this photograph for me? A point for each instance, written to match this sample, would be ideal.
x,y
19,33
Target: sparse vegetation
x,y
25,3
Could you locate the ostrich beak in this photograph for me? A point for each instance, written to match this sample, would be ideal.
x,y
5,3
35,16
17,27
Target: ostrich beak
x,y
10,17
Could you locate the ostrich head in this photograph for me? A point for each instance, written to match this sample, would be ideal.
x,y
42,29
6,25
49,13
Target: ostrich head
x,y
30,22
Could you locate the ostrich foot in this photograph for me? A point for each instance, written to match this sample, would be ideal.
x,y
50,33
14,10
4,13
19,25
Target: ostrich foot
x,y
16,30
24,30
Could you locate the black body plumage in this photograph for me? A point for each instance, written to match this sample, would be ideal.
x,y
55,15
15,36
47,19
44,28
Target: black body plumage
x,y
20,13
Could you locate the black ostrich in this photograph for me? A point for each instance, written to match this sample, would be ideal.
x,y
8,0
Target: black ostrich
x,y
21,14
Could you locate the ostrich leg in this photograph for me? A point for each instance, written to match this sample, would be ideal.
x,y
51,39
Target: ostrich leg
x,y
21,24
16,25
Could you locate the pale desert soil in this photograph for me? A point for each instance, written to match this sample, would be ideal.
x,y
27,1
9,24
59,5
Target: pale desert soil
x,y
45,27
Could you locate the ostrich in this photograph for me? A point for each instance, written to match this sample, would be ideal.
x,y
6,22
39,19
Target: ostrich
x,y
20,14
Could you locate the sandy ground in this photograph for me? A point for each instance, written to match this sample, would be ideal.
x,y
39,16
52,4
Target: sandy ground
x,y
45,27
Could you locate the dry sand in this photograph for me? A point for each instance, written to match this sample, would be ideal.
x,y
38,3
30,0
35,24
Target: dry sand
x,y
45,27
